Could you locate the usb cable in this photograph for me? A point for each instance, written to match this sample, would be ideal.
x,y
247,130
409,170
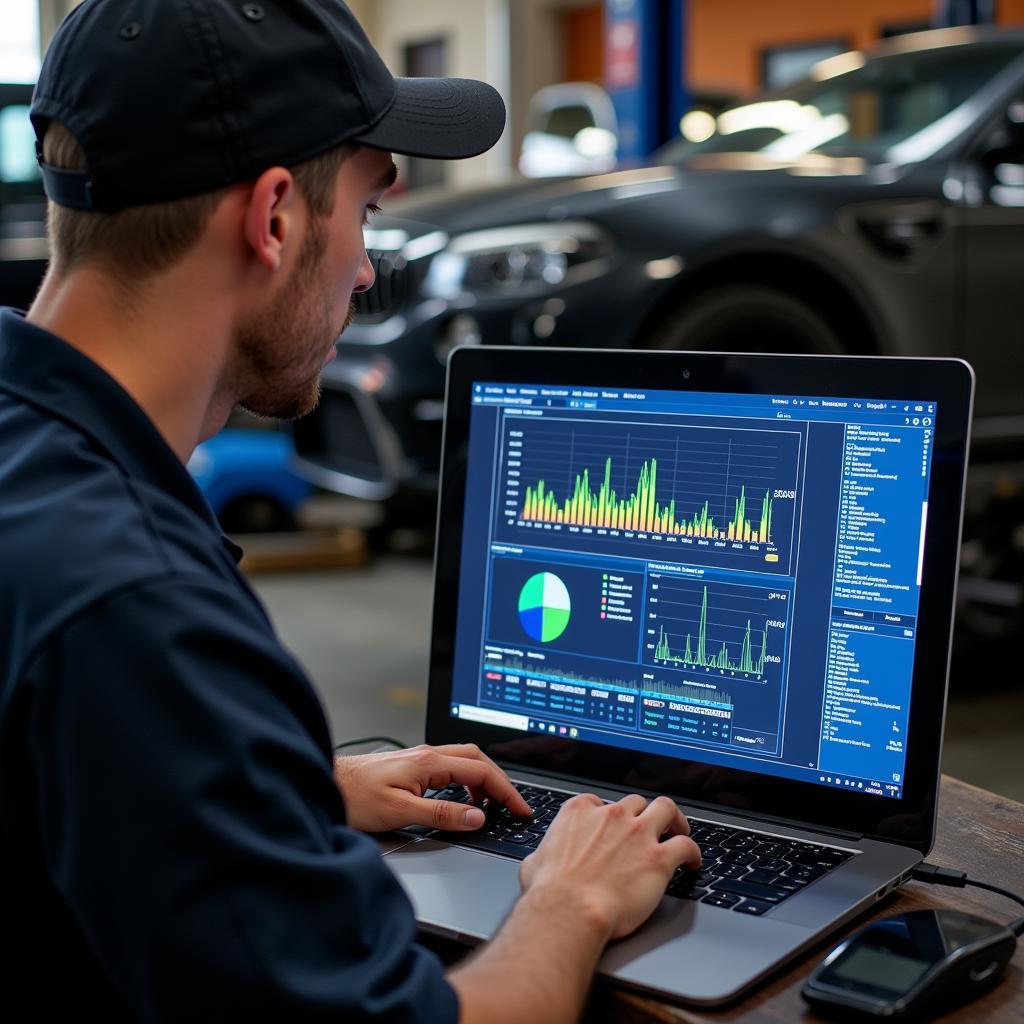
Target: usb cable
x,y
934,875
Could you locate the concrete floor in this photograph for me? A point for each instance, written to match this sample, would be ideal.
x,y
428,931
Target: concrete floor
x,y
363,635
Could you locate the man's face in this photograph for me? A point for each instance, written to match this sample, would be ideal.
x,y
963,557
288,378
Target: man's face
x,y
281,350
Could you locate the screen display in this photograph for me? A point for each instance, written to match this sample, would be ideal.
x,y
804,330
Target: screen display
x,y
880,968
730,579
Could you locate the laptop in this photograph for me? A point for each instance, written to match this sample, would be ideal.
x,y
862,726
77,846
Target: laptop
x,y
725,578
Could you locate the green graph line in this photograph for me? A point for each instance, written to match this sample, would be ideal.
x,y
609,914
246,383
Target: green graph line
x,y
701,659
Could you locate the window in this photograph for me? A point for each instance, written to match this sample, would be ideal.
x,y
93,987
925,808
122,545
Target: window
x,y
425,60
782,65
17,145
19,41
885,109
903,28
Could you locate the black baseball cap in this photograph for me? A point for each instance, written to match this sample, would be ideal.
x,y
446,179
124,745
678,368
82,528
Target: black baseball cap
x,y
171,98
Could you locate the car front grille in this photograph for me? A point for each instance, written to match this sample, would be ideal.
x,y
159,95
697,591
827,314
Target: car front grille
x,y
336,437
389,288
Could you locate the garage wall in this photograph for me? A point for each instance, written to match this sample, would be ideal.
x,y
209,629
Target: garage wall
x,y
361,9
477,44
51,14
477,36
583,29
726,37
1010,12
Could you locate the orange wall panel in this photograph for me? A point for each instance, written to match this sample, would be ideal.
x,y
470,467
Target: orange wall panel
x,y
583,28
1010,12
725,37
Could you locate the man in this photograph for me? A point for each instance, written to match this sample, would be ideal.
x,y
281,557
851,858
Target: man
x,y
175,841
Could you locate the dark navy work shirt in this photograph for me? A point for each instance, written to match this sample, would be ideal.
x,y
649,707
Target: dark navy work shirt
x,y
173,845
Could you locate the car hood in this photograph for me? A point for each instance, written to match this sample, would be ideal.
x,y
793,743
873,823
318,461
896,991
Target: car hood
x,y
458,210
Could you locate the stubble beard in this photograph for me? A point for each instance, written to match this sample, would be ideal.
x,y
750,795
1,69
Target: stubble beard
x,y
279,352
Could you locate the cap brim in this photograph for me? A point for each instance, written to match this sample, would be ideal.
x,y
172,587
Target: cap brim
x,y
440,118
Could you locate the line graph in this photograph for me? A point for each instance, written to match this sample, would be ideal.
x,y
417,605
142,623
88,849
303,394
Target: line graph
x,y
721,630
699,653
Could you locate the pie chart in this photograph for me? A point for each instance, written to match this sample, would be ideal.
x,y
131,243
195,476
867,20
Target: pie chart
x,y
544,607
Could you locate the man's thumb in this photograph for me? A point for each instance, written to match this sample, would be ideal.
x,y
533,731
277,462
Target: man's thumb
x,y
446,815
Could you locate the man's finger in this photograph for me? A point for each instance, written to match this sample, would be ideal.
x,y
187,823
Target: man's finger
x,y
634,803
442,814
474,773
471,751
682,850
666,817
462,750
582,800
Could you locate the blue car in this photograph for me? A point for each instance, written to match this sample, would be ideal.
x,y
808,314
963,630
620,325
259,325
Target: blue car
x,y
246,477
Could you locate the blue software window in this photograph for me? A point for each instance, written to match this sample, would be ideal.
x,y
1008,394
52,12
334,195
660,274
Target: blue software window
x,y
732,579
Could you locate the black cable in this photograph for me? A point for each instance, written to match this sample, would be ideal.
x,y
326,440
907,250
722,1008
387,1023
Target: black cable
x,y
933,874
371,739
995,888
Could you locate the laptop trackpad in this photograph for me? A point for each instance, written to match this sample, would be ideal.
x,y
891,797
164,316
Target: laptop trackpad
x,y
455,891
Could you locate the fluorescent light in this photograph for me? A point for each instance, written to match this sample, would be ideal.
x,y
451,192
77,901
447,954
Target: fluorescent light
x,y
387,239
817,134
697,125
425,245
782,115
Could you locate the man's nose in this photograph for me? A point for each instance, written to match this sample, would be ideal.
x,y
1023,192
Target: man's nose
x,y
366,275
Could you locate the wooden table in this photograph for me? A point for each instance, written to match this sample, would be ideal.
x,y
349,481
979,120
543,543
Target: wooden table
x,y
978,832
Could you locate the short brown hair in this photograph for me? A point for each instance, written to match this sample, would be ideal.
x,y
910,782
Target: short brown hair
x,y
142,240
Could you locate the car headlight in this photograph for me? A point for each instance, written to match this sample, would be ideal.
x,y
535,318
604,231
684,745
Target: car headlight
x,y
524,260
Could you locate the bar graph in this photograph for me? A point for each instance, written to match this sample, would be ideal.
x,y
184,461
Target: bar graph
x,y
641,512
723,496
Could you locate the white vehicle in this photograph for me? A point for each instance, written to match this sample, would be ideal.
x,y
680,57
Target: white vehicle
x,y
572,130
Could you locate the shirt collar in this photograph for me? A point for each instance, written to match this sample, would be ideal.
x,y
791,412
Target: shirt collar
x,y
51,374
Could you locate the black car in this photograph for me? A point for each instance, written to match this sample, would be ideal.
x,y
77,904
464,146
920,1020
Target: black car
x,y
877,207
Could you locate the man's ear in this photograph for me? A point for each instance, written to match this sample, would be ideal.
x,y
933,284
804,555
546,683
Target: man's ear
x,y
270,216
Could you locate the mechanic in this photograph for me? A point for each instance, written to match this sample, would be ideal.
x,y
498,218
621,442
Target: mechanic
x,y
177,840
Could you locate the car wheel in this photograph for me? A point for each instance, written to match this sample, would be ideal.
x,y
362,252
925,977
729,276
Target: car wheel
x,y
743,318
255,513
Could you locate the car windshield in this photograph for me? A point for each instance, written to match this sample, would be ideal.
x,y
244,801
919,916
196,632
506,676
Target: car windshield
x,y
874,110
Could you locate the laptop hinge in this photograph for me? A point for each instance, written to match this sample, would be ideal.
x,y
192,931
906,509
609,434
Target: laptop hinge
x,y
768,819
697,808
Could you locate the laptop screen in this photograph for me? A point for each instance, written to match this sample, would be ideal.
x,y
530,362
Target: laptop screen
x,y
731,579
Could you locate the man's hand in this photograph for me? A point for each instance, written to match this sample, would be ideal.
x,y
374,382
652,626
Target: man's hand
x,y
385,791
599,872
617,858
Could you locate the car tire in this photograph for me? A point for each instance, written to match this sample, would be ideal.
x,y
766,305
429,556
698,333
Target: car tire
x,y
743,318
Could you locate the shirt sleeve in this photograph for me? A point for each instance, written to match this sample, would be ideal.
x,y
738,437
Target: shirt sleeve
x,y
188,815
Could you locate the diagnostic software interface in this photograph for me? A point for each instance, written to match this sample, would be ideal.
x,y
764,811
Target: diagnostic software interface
x,y
732,579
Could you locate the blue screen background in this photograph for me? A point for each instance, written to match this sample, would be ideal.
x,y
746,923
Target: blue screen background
x,y
827,604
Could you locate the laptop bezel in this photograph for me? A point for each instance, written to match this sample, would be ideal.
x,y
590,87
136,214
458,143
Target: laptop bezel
x,y
908,821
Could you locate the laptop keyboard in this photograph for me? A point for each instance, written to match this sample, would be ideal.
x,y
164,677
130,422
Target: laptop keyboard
x,y
749,872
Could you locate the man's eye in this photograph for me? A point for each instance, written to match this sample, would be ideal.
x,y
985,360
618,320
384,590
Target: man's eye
x,y
372,210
